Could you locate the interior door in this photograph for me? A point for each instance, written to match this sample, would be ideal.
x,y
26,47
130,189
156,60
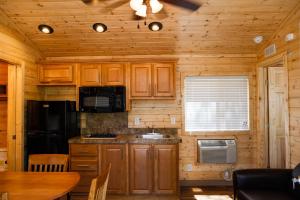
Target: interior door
x,y
278,88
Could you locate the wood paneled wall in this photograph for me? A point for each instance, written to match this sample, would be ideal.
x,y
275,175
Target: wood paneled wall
x,y
155,113
17,49
292,48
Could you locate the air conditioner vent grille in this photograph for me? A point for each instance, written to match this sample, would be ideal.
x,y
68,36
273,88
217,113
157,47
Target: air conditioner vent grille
x,y
270,50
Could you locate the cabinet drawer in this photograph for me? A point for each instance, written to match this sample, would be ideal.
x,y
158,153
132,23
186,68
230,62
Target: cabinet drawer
x,y
85,182
84,164
83,150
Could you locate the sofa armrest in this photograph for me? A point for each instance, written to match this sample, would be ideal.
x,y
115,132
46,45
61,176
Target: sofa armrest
x,y
265,179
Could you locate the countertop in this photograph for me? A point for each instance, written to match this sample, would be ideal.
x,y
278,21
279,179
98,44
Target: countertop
x,y
125,139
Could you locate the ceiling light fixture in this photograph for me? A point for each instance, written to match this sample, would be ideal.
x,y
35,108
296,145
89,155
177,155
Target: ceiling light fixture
x,y
99,27
155,6
45,29
140,6
155,26
258,39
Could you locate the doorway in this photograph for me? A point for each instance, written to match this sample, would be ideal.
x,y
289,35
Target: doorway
x,y
11,113
273,113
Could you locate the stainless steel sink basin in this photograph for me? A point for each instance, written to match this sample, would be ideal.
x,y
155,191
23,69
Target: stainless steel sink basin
x,y
153,136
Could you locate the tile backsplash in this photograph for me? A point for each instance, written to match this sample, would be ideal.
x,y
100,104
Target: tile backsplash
x,y
114,123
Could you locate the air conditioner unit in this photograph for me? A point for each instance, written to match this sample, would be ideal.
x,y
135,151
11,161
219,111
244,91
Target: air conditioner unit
x,y
216,151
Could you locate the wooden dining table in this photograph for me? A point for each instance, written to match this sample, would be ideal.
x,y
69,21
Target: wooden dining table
x,y
37,185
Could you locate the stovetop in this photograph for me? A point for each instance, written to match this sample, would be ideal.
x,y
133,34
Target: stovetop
x,y
101,135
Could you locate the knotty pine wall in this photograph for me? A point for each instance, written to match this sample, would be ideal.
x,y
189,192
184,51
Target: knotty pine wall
x,y
16,49
157,113
291,25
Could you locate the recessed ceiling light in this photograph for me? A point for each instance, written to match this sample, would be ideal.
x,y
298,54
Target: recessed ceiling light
x,y
45,29
258,39
99,27
155,26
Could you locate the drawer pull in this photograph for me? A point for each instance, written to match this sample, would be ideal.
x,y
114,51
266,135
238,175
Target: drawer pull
x,y
82,165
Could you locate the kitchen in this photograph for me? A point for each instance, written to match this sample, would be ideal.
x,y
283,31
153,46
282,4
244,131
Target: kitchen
x,y
154,102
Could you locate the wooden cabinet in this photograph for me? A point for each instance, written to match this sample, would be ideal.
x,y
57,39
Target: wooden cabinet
x,y
57,74
152,81
165,170
141,80
90,74
90,159
163,80
140,169
112,74
153,169
107,74
117,156
84,160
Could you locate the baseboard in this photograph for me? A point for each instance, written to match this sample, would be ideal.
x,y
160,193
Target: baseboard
x,y
191,183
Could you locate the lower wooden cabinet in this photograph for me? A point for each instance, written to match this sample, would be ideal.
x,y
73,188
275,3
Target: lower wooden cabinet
x,y
136,168
140,169
117,156
153,169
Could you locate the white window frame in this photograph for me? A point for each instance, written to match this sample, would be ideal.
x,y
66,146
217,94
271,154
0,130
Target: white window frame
x,y
247,129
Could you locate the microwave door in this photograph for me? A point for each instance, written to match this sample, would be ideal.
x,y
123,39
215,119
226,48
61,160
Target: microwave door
x,y
104,103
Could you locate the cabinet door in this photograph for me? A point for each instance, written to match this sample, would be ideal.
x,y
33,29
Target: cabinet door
x,y
112,74
165,169
141,80
163,78
56,74
141,167
116,155
90,75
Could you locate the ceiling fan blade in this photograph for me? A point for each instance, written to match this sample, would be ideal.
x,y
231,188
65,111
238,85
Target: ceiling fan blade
x,y
184,4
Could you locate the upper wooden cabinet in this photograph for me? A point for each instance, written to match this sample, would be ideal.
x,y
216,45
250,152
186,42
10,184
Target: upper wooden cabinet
x,y
107,74
141,80
163,79
90,74
152,80
57,74
112,74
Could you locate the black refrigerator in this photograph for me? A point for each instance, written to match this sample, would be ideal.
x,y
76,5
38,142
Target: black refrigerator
x,y
49,125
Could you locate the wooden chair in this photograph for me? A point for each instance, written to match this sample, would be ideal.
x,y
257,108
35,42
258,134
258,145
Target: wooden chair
x,y
48,163
99,186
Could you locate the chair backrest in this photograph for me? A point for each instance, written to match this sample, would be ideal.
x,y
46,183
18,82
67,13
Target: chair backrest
x,y
99,186
48,163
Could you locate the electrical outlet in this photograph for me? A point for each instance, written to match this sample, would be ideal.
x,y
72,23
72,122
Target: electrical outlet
x,y
137,121
173,120
188,167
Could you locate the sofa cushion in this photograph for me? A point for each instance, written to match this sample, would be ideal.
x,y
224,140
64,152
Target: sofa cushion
x,y
264,195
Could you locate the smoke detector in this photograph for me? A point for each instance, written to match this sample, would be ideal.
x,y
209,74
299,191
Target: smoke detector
x,y
258,39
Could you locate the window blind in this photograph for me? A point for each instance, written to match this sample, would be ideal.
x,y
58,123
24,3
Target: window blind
x,y
216,103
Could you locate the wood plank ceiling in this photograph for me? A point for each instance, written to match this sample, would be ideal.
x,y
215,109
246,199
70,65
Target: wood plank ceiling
x,y
219,26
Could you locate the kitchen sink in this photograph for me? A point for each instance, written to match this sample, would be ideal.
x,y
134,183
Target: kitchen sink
x,y
153,136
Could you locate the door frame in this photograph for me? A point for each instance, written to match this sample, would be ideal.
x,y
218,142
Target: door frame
x,y
15,115
262,111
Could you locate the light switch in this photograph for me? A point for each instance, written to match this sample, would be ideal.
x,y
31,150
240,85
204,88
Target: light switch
x,y
137,121
188,167
173,120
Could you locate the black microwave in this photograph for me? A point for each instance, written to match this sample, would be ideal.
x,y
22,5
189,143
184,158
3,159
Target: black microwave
x,y
102,99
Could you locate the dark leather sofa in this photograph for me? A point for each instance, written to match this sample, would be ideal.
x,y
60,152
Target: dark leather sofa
x,y
264,184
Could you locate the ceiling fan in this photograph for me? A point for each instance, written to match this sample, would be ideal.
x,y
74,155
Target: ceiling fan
x,y
140,6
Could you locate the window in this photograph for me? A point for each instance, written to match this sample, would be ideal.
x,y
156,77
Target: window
x,y
216,103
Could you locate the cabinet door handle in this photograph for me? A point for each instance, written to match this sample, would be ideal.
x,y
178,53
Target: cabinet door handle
x,y
82,165
122,154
